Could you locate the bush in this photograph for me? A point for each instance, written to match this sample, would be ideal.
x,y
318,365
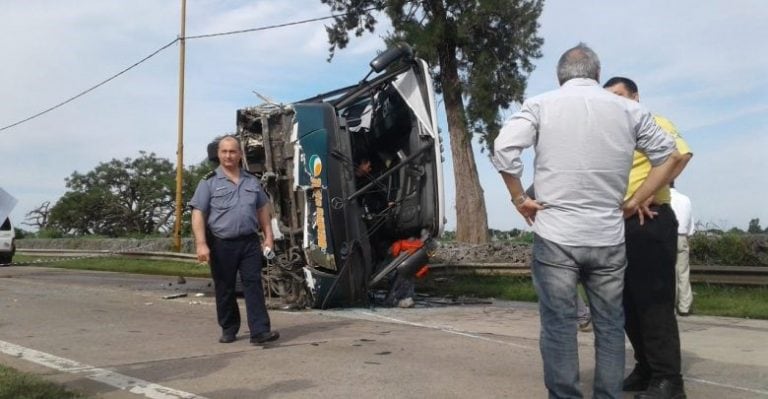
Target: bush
x,y
50,233
730,249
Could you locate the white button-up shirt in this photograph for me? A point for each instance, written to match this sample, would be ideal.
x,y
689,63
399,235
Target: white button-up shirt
x,y
584,137
681,204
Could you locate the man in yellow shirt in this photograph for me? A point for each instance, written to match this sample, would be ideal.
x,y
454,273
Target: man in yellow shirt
x,y
649,286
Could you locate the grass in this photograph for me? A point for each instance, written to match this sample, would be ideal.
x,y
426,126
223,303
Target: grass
x,y
709,299
124,265
733,301
18,385
515,288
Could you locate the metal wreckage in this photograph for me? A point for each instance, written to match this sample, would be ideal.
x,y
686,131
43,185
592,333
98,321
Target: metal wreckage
x,y
355,178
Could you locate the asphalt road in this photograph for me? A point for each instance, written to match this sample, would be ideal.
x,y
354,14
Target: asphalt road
x,y
114,335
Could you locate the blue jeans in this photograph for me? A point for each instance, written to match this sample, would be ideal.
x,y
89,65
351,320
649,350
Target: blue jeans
x,y
582,311
556,270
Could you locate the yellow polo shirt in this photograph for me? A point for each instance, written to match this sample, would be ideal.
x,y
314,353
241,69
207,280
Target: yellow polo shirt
x,y
641,166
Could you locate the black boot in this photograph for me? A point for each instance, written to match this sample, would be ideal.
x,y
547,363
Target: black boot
x,y
663,388
637,380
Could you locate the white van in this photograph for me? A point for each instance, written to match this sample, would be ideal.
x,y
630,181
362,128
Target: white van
x,y
7,242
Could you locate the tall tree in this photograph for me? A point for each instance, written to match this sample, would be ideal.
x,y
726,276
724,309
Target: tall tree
x,y
193,174
38,217
130,196
481,51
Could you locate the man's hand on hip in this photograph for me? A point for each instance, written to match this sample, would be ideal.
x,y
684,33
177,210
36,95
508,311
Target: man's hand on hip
x,y
528,209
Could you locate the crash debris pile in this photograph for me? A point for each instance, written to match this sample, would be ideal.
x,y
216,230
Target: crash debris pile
x,y
452,252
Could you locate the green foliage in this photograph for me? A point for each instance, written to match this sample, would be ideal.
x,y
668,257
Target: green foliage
x,y
192,176
17,385
38,217
732,248
127,265
525,237
448,235
481,53
709,299
129,197
754,226
49,233
515,288
514,235
733,301
488,45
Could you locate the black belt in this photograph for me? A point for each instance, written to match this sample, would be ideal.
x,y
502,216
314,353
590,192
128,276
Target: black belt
x,y
246,237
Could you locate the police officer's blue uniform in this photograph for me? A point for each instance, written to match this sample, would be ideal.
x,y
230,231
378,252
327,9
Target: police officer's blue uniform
x,y
231,234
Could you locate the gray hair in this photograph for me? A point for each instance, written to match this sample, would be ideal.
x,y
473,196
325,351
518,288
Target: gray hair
x,y
230,137
578,62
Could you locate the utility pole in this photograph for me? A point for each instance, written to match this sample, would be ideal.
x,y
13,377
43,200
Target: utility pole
x,y
180,146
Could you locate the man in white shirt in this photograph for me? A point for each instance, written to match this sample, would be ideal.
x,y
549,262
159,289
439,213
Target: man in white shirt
x,y
681,205
584,138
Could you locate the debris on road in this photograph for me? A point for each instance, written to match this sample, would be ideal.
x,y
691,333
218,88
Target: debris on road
x,y
174,296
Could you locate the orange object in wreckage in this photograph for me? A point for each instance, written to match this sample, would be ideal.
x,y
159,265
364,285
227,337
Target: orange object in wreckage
x,y
410,246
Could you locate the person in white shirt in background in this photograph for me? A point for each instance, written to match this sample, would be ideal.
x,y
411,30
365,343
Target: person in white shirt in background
x,y
681,205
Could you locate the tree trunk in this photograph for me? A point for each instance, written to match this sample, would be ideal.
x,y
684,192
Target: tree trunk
x,y
471,217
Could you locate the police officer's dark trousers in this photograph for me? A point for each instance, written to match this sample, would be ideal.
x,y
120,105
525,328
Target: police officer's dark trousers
x,y
227,257
649,293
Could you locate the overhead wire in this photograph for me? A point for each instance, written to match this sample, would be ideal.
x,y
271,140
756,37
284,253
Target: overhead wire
x,y
92,88
268,27
105,81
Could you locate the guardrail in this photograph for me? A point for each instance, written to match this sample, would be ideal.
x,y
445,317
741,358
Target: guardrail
x,y
66,253
737,275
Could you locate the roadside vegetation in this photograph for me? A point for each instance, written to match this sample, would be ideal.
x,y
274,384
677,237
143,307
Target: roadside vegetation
x,y
731,301
17,385
709,299
708,247
733,248
122,265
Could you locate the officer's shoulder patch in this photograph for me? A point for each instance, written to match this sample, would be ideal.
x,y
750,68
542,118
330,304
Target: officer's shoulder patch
x,y
209,175
255,174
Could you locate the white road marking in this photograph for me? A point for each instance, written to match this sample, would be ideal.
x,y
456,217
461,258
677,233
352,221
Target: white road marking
x,y
718,384
123,382
450,330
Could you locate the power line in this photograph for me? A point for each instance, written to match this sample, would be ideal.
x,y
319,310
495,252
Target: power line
x,y
235,32
92,88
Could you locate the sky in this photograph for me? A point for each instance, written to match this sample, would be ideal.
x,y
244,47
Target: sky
x,y
702,64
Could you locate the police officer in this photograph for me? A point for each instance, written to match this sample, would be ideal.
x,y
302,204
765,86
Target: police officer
x,y
228,208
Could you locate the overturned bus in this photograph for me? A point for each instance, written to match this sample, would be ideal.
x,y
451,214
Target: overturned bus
x,y
355,178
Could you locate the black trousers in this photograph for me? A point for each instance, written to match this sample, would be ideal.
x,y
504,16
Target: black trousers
x,y
649,293
227,257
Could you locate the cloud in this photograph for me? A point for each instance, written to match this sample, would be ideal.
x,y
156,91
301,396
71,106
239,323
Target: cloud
x,y
702,64
59,50
699,63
